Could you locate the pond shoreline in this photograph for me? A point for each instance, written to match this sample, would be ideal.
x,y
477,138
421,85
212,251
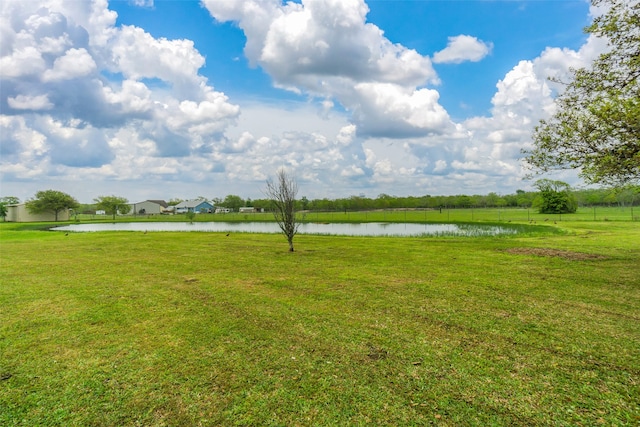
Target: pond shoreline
x,y
373,229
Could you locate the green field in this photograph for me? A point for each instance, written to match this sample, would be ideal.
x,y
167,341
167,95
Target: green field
x,y
444,215
186,329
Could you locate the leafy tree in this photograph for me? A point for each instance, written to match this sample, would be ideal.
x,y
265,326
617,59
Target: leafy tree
x,y
462,201
10,200
304,203
113,205
626,196
233,202
597,124
261,203
51,201
555,197
282,193
494,200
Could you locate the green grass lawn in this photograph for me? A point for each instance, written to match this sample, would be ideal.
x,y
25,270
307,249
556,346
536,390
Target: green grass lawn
x,y
473,214
186,329
444,215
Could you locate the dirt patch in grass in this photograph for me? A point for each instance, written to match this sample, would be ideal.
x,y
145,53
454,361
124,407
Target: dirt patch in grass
x,y
559,253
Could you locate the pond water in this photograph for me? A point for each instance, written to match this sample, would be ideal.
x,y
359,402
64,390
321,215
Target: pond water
x,y
337,229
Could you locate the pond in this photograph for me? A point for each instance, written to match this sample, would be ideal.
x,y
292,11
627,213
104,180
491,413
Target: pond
x,y
336,229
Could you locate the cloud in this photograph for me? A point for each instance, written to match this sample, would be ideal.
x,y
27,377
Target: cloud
x,y
138,55
463,48
75,145
325,48
142,3
26,102
77,83
85,99
73,64
390,110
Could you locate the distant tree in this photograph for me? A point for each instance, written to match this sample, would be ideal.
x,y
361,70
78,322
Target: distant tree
x,y
304,203
463,201
112,205
493,200
10,200
6,201
597,124
555,197
282,193
626,196
233,202
261,204
383,201
51,201
175,201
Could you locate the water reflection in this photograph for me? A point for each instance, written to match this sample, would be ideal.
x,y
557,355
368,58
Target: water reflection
x,y
337,229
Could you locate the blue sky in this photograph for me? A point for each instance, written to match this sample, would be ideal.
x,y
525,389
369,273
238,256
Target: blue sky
x,y
163,99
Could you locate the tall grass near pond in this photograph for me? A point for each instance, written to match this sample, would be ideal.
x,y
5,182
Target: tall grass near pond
x,y
186,329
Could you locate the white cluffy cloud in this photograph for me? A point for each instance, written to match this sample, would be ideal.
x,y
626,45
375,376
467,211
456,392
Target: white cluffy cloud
x,y
54,59
463,48
84,100
326,48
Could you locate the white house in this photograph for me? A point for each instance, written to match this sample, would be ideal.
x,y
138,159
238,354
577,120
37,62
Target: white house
x,y
20,213
247,209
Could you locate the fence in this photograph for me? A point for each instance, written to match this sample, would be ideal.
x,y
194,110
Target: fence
x,y
446,214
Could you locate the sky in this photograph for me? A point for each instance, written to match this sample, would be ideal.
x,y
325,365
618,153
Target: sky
x,y
153,99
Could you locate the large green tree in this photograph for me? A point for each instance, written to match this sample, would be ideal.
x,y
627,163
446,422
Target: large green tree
x,y
112,205
555,197
597,123
51,201
233,202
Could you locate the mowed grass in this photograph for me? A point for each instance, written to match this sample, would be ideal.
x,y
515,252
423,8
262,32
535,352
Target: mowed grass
x,y
185,329
444,215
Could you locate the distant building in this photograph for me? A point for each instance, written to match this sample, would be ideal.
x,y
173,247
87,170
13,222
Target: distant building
x,y
250,209
20,213
222,210
196,206
148,207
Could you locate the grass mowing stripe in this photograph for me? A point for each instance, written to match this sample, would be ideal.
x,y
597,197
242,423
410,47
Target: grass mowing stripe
x,y
197,328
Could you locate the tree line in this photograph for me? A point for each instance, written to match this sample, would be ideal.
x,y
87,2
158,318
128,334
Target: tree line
x,y
628,196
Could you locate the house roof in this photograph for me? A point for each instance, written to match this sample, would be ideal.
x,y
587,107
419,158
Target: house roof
x,y
192,203
157,202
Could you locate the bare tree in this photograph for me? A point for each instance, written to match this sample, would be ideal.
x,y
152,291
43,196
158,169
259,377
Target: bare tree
x,y
282,193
